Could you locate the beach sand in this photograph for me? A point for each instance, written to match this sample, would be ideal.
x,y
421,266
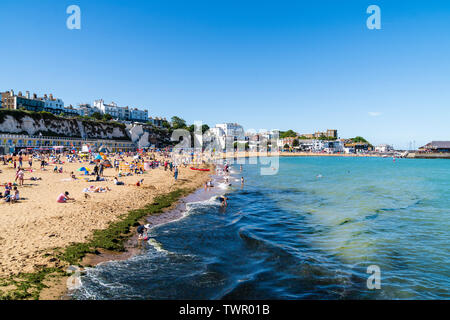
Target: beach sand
x,y
38,224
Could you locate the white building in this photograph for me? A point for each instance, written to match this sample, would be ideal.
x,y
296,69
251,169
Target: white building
x,y
384,148
121,113
232,130
219,137
139,115
328,146
317,146
226,134
349,150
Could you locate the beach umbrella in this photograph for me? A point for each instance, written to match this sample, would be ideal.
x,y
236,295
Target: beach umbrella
x,y
82,169
98,157
107,163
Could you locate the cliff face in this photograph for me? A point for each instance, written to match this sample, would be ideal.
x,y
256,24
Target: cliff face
x,y
146,136
49,125
28,123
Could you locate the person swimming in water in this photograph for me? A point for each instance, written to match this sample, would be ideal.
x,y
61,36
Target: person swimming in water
x,y
223,199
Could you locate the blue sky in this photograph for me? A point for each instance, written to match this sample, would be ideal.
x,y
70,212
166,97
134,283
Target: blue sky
x,y
302,65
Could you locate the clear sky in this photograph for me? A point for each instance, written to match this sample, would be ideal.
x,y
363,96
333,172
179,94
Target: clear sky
x,y
302,65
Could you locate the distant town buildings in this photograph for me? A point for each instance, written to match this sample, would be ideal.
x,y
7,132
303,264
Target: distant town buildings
x,y
10,100
52,105
384,148
436,147
226,134
157,122
330,133
86,110
119,113
19,101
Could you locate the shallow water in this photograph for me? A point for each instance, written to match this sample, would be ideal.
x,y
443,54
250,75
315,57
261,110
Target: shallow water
x,y
309,232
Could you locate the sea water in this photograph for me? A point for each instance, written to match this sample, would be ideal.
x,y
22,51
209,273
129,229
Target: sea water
x,y
311,231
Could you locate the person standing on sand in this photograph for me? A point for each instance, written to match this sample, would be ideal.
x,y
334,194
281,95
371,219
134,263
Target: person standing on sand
x,y
142,231
20,176
175,174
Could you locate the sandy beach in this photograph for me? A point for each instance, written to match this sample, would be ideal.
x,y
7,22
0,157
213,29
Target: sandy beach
x,y
36,225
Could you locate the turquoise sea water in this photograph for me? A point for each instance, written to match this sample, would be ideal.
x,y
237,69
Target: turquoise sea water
x,y
308,232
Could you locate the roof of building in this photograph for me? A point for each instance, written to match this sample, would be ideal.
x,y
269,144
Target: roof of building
x,y
438,145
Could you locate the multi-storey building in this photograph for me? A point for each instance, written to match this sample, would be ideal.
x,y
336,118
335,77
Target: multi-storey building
x,y
86,110
232,130
225,134
112,109
19,101
157,122
51,104
384,148
32,102
121,113
71,111
332,133
138,115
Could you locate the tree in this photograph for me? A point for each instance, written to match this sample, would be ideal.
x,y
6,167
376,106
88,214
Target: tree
x,y
97,116
286,146
205,128
288,134
191,128
166,124
295,143
359,139
327,138
237,145
107,117
178,123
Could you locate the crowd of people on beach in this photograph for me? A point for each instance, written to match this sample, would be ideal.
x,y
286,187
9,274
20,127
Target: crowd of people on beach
x,y
93,168
140,164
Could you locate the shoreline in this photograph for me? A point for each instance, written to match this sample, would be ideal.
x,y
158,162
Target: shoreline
x,y
42,273
413,155
166,215
169,215
295,154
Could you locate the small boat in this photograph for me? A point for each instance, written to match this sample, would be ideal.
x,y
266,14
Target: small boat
x,y
198,169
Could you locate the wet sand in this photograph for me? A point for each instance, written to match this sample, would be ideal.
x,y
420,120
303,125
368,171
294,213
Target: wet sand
x,y
37,225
